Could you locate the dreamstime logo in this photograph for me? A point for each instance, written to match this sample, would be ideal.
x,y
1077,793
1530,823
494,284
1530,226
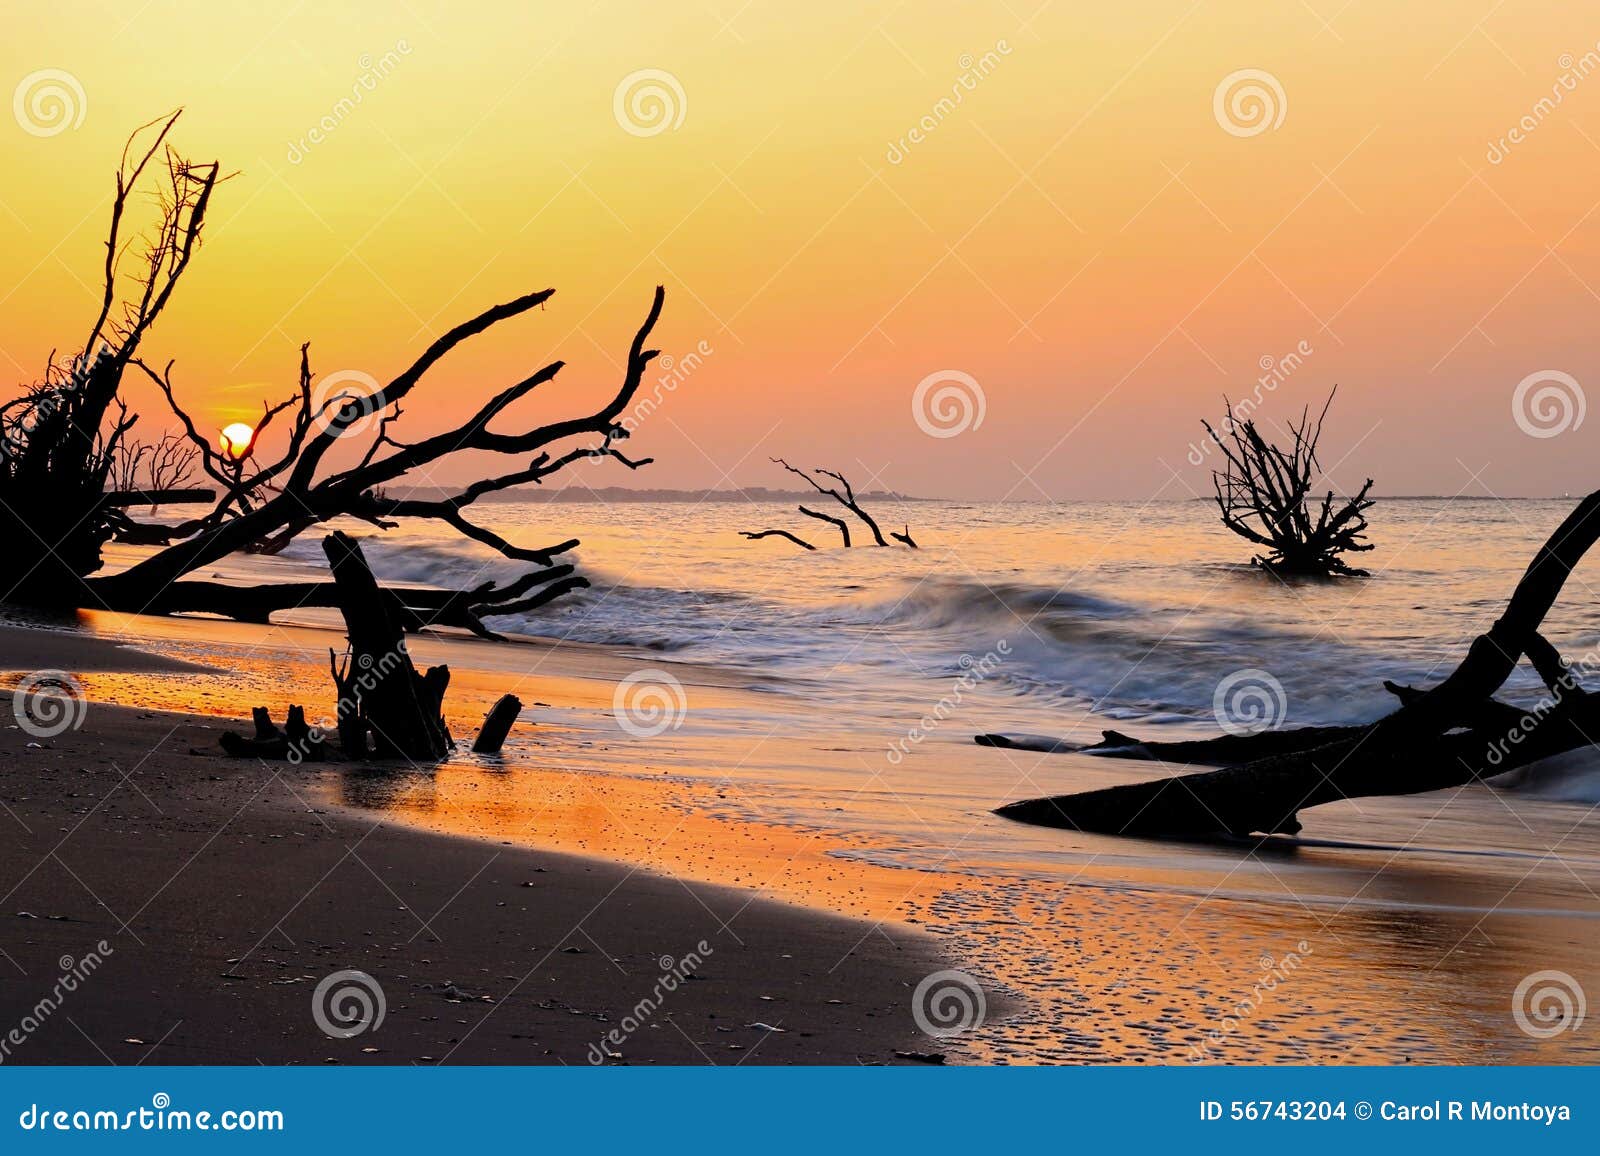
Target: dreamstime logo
x,y
48,703
674,372
336,406
1248,701
948,403
973,672
1572,71
74,972
1274,372
948,1003
973,70
1548,403
648,703
347,1003
49,102
372,71
1249,102
673,973
649,102
1548,1003
1273,972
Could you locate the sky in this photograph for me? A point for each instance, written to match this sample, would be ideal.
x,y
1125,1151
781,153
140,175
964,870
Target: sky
x,y
987,250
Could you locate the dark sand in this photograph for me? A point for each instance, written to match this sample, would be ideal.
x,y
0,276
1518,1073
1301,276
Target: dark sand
x,y
226,891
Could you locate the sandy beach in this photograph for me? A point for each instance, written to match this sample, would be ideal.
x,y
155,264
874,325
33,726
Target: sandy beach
x,y
565,877
226,889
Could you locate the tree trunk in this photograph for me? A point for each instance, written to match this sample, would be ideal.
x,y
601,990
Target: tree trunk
x,y
1453,734
381,693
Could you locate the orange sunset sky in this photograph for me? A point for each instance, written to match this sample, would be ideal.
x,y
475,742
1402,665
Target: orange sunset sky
x,y
1085,233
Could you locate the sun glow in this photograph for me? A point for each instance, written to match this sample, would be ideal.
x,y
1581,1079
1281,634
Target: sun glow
x,y
236,440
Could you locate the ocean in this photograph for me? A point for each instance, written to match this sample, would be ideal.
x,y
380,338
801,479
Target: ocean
x,y
848,686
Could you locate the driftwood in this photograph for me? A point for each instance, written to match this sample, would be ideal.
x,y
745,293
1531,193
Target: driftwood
x,y
413,608
842,492
385,707
296,742
1264,494
1453,734
757,535
497,725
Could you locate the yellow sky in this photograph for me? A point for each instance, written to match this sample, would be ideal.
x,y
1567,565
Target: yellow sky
x,y
1080,233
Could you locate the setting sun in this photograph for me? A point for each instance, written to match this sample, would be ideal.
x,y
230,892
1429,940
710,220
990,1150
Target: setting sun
x,y
236,439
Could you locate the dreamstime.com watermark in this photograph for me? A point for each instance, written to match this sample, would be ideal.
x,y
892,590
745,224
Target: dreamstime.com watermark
x,y
1273,972
73,973
49,102
348,1003
1248,701
48,703
1548,403
649,102
948,1003
673,973
355,684
648,703
1572,71
333,397
1548,1003
973,71
973,672
161,1116
1249,102
372,72
948,403
1570,682
674,372
1274,372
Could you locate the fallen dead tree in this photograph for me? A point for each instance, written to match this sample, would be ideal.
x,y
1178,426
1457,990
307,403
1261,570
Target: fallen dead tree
x,y
1453,734
832,484
64,445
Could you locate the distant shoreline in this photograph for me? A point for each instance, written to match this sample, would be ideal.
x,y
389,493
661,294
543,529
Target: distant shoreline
x,y
603,494
756,494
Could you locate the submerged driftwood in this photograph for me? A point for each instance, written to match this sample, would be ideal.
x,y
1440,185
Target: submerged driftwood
x,y
1264,495
838,488
1453,734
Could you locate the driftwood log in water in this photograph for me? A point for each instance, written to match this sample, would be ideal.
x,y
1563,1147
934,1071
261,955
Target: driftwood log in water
x,y
832,484
1453,734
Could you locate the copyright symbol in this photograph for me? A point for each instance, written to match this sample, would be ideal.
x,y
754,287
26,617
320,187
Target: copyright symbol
x,y
1363,1110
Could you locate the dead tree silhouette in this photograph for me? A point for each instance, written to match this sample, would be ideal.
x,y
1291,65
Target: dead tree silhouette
x,y
839,489
61,440
1264,494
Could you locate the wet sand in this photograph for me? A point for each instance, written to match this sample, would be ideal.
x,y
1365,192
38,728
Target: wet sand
x,y
1087,949
226,890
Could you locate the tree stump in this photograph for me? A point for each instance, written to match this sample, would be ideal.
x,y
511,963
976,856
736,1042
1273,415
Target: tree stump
x,y
497,725
386,709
